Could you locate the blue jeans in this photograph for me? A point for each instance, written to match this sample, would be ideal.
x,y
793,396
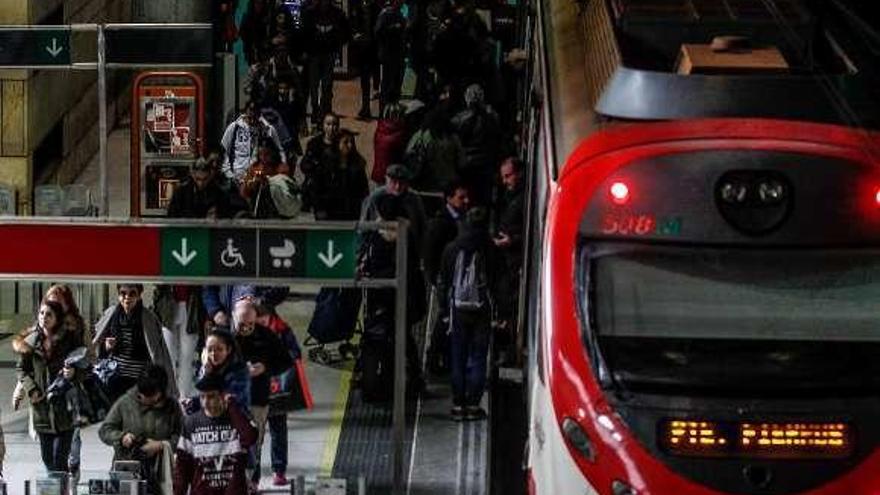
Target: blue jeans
x,y
469,349
278,431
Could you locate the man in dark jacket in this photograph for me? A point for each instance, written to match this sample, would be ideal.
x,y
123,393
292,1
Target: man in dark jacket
x,y
509,241
390,34
266,356
199,192
363,49
442,229
212,454
327,29
479,130
142,424
466,284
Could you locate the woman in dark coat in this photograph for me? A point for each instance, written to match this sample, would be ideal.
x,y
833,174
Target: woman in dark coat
x,y
341,189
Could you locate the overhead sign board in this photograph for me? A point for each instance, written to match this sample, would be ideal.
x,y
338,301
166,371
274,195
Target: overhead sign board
x,y
159,45
34,46
176,252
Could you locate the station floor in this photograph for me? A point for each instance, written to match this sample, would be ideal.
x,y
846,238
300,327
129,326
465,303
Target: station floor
x,y
340,437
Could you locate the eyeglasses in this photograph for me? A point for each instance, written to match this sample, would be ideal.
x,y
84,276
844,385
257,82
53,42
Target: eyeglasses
x,y
129,293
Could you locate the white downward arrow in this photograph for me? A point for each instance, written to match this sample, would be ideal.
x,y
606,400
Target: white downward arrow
x,y
54,50
185,255
329,258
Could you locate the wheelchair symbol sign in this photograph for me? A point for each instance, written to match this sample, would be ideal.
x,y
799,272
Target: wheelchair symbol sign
x,y
231,256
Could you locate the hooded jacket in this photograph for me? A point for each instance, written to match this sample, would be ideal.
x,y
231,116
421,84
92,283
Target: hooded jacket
x,y
240,142
35,370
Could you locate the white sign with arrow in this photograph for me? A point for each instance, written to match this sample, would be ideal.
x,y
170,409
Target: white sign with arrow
x,y
185,256
330,258
54,50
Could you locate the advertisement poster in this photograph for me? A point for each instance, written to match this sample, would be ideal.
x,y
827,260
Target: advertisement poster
x,y
167,125
180,140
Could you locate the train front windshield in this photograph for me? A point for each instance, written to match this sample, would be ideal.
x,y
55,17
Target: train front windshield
x,y
724,320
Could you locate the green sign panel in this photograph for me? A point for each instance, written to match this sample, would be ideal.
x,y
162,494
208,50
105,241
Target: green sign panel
x,y
258,253
330,253
186,252
37,46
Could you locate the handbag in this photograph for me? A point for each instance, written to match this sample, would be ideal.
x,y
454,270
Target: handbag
x,y
289,391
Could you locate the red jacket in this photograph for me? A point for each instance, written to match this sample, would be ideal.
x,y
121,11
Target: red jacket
x,y
389,144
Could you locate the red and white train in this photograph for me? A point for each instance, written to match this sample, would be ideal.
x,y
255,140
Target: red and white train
x,y
704,267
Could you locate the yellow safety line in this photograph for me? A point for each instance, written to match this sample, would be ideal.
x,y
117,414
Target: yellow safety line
x,y
335,429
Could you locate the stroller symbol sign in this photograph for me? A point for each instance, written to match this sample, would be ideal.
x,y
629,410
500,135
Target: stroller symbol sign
x,y
283,255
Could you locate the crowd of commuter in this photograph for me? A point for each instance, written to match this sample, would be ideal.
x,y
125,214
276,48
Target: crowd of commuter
x,y
184,386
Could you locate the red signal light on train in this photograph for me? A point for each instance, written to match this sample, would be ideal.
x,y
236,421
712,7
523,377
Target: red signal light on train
x,y
877,197
620,192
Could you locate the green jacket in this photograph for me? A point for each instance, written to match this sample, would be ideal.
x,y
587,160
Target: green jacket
x,y
128,416
35,372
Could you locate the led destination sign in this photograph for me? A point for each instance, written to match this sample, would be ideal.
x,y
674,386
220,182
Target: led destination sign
x,y
761,440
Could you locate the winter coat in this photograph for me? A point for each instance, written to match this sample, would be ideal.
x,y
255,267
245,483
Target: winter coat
x,y
442,229
326,29
190,202
434,160
363,17
164,306
263,346
390,33
128,416
240,142
377,256
236,381
318,157
510,222
339,191
159,355
389,143
36,371
480,134
222,297
218,298
415,213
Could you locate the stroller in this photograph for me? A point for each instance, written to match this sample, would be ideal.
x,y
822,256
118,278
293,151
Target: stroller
x,y
335,320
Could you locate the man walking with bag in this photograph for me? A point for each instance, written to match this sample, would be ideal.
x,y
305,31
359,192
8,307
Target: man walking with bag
x,y
467,276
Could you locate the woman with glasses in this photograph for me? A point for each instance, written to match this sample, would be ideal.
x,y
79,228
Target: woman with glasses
x,y
41,353
131,335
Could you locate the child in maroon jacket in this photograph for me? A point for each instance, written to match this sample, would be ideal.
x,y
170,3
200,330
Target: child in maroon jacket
x,y
212,454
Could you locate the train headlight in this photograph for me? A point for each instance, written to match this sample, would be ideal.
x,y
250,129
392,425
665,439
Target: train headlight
x,y
619,192
755,202
578,439
620,488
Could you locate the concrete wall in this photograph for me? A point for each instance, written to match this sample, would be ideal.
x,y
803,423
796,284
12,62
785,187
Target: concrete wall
x,y
32,103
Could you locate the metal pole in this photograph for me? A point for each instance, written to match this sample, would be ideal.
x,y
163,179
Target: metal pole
x,y
102,123
398,417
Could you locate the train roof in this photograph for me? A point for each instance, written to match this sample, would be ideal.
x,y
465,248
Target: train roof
x,y
623,58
